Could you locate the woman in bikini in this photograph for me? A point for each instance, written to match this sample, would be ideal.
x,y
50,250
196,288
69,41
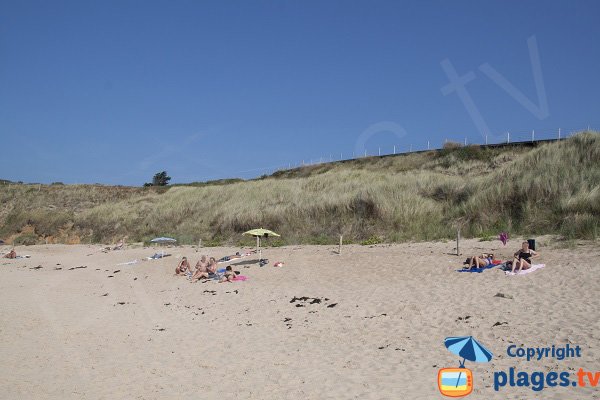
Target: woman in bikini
x,y
480,262
228,276
523,257
183,268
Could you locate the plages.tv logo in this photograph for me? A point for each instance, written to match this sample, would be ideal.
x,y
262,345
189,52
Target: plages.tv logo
x,y
458,382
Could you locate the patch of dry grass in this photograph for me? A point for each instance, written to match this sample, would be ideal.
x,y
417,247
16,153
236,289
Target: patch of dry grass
x,y
549,189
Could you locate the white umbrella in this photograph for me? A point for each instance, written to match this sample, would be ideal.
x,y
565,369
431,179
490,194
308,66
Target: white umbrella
x,y
163,240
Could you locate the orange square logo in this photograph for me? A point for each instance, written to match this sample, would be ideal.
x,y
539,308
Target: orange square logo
x,y
455,382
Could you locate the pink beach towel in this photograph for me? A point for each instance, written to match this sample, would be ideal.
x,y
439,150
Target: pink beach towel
x,y
240,278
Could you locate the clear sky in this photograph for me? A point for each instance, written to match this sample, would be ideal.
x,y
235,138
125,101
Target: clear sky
x,y
114,91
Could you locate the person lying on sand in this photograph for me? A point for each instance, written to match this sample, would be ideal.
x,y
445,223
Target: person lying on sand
x,y
209,273
229,275
479,262
11,254
183,268
523,257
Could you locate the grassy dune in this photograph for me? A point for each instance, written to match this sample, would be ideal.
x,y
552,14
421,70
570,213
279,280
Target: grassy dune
x,y
552,188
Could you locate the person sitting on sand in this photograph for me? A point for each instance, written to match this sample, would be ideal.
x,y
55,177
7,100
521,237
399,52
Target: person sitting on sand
x,y
523,257
480,262
228,276
11,254
119,245
212,266
202,264
209,273
183,268
201,269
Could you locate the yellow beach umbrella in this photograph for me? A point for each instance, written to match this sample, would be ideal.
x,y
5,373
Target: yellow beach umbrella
x,y
258,233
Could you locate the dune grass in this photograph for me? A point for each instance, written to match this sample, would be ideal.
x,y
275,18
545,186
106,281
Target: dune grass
x,y
553,188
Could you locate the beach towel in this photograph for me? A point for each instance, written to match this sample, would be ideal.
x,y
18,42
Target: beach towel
x,y
533,268
240,278
479,270
129,262
237,256
157,256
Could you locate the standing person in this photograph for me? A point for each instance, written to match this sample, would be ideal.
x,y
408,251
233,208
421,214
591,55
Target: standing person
x,y
523,257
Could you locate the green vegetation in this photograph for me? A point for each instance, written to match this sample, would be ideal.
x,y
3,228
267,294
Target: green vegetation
x,y
27,239
552,188
371,241
159,179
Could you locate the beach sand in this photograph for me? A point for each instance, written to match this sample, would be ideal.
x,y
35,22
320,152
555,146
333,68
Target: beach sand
x,y
75,328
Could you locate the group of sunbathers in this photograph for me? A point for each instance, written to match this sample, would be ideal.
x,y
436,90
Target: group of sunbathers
x,y
206,268
521,259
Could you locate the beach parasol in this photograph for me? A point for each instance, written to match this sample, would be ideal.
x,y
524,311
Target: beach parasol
x,y
163,240
469,349
258,233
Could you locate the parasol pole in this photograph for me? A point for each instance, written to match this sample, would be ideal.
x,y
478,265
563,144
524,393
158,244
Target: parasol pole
x,y
462,365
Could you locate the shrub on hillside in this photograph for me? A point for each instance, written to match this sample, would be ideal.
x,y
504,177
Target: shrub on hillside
x,y
26,239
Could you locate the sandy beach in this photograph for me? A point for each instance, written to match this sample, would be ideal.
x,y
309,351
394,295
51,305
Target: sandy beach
x,y
367,324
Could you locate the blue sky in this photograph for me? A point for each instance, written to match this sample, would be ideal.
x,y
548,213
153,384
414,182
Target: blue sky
x,y
112,92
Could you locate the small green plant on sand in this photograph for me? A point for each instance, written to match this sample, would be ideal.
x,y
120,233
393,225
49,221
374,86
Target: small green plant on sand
x,y
371,241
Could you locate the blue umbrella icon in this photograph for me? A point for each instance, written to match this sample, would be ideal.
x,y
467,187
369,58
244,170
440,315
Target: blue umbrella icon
x,y
469,349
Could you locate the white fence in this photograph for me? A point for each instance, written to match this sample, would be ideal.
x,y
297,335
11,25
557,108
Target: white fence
x,y
411,146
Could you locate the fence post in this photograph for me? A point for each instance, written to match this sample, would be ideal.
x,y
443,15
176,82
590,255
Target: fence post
x,y
458,242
